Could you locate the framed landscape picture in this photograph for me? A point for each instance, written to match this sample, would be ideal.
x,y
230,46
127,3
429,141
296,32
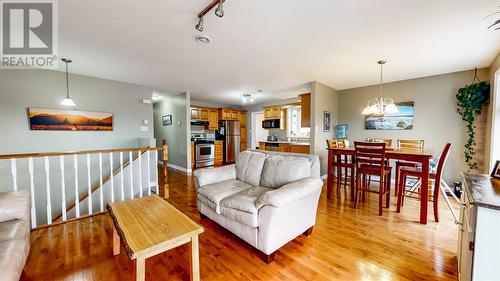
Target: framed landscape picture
x,y
403,120
69,120
496,171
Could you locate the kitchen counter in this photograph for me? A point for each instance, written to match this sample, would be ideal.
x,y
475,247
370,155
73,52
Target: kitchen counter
x,y
288,142
484,191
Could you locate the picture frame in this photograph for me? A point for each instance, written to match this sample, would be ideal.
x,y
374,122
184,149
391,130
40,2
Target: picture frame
x,y
53,119
496,170
402,120
166,120
327,121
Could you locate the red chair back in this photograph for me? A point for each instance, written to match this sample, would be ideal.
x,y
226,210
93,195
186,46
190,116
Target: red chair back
x,y
442,160
370,153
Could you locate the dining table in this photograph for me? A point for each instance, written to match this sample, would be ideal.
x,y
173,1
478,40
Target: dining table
x,y
416,155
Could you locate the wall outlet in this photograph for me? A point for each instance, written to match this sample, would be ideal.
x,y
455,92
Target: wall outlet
x,y
144,128
146,101
145,121
178,122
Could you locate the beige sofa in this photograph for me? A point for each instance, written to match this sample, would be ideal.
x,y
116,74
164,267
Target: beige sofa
x,y
14,234
266,198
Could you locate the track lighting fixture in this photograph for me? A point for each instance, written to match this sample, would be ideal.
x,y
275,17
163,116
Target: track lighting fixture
x,y
220,9
199,26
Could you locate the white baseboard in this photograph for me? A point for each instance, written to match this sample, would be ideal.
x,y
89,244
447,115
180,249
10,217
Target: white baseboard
x,y
178,168
324,177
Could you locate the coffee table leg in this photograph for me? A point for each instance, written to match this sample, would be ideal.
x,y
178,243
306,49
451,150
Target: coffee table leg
x,y
140,268
116,242
195,261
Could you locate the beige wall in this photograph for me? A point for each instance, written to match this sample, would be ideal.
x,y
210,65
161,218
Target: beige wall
x,y
492,151
436,120
323,98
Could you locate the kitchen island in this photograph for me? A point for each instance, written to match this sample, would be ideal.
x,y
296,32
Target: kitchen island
x,y
285,146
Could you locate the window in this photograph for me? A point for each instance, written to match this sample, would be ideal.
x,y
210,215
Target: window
x,y
293,128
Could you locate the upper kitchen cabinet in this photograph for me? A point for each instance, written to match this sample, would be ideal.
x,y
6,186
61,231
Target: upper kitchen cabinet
x,y
195,113
243,118
228,114
213,119
272,112
204,113
305,108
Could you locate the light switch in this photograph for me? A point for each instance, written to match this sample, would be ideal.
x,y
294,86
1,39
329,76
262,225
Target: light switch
x,y
178,122
145,121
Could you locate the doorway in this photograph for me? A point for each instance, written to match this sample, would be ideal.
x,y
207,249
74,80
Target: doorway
x,y
495,124
258,133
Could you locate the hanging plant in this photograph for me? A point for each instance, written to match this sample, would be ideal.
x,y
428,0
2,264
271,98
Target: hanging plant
x,y
470,100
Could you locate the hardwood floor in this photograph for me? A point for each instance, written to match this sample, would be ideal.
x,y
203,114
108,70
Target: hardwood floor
x,y
346,244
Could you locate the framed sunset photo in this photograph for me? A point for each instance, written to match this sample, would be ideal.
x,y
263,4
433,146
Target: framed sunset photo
x,y
46,119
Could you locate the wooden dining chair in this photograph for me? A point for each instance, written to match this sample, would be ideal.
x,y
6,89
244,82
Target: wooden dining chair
x,y
370,161
410,144
343,164
434,177
388,144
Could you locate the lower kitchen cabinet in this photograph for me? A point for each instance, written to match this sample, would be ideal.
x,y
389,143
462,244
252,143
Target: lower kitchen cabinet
x,y
219,152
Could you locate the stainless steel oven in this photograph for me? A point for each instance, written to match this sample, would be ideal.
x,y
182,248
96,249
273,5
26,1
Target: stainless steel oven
x,y
205,154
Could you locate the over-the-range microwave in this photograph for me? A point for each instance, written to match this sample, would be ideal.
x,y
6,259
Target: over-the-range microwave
x,y
271,124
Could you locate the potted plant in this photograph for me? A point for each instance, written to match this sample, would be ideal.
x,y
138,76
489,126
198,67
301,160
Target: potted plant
x,y
470,101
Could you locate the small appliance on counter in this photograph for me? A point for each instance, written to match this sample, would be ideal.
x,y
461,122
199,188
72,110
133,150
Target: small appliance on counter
x,y
272,138
204,146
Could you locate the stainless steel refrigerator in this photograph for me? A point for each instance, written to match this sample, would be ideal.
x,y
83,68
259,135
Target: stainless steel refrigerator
x,y
229,132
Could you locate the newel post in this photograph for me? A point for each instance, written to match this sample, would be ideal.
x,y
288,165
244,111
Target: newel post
x,y
165,174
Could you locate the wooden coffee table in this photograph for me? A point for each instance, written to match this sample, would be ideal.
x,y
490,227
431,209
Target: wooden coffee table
x,y
150,226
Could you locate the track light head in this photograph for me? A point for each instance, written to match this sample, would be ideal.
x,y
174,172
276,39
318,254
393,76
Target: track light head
x,y
199,26
219,11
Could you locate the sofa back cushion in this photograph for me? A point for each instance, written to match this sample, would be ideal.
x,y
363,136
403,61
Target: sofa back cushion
x,y
249,167
283,169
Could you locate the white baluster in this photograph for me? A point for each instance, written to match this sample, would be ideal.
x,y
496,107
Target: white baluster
x,y
63,188
149,172
111,176
89,185
13,171
156,173
131,170
77,191
101,199
140,173
121,175
32,191
47,185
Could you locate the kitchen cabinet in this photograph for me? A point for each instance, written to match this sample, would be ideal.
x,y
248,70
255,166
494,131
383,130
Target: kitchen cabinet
x,y
479,229
262,146
272,112
213,119
219,153
299,149
195,113
204,114
305,109
284,147
242,117
228,114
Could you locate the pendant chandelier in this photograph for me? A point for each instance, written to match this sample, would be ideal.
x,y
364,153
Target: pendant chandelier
x,y
380,105
67,101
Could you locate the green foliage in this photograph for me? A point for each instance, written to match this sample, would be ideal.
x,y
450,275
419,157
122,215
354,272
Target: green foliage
x,y
470,100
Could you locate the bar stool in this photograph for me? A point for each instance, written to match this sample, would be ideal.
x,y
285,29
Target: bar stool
x,y
370,161
344,164
433,176
412,144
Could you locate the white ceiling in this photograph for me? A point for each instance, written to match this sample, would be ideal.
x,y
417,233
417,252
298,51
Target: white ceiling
x,y
276,46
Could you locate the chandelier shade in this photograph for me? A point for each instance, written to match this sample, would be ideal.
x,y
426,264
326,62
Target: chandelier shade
x,y
380,105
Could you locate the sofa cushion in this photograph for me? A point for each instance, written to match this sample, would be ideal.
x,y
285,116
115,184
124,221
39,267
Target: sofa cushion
x,y
14,205
212,194
16,229
250,219
12,259
244,200
283,169
249,167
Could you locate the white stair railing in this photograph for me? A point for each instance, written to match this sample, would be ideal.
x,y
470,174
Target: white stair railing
x,y
53,189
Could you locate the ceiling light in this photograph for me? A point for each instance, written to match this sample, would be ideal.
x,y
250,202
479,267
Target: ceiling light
x,y
219,11
67,101
247,98
381,105
202,39
199,26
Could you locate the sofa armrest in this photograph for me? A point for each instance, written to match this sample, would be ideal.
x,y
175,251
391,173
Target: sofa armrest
x,y
14,206
213,175
290,192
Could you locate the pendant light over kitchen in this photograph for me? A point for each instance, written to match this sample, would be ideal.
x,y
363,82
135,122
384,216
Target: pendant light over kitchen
x,y
67,101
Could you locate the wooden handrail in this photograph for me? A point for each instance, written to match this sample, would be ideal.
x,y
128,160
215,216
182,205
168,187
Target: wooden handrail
x,y
35,155
97,186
